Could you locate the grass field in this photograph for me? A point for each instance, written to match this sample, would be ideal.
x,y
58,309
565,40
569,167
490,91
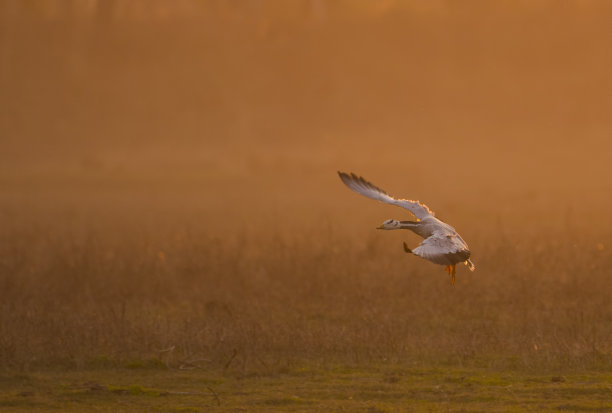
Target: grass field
x,y
383,388
138,291
141,315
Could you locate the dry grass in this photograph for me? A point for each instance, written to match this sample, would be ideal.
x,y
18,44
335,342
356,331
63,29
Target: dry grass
x,y
76,294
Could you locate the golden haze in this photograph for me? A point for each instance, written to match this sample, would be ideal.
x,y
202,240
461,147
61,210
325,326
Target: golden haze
x,y
168,179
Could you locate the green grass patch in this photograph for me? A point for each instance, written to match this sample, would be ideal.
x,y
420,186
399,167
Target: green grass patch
x,y
307,388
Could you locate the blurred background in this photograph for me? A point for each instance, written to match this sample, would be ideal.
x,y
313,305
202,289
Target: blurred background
x,y
229,112
168,179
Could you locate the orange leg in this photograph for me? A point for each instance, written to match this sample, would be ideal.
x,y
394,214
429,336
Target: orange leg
x,y
450,269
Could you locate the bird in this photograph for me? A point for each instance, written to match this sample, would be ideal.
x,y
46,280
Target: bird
x,y
441,244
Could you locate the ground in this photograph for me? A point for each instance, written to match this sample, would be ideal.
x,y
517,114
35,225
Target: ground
x,y
371,389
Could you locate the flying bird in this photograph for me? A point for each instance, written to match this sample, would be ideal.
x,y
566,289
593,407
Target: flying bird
x,y
441,245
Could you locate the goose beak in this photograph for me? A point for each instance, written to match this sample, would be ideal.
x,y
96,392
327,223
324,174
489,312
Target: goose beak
x,y
380,227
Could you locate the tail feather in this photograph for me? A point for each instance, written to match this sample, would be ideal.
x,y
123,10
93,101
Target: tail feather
x,y
470,265
408,250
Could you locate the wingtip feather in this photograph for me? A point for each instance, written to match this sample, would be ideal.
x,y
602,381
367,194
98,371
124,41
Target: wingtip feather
x,y
364,187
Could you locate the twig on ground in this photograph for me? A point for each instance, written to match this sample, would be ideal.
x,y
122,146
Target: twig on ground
x,y
234,354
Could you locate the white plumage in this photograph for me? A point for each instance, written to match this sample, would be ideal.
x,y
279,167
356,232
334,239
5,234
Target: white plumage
x,y
441,245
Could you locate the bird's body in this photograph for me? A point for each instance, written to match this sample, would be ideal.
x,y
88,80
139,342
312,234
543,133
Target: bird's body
x,y
441,245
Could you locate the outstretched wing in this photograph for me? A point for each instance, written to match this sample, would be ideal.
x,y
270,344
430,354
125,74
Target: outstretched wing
x,y
365,188
444,249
